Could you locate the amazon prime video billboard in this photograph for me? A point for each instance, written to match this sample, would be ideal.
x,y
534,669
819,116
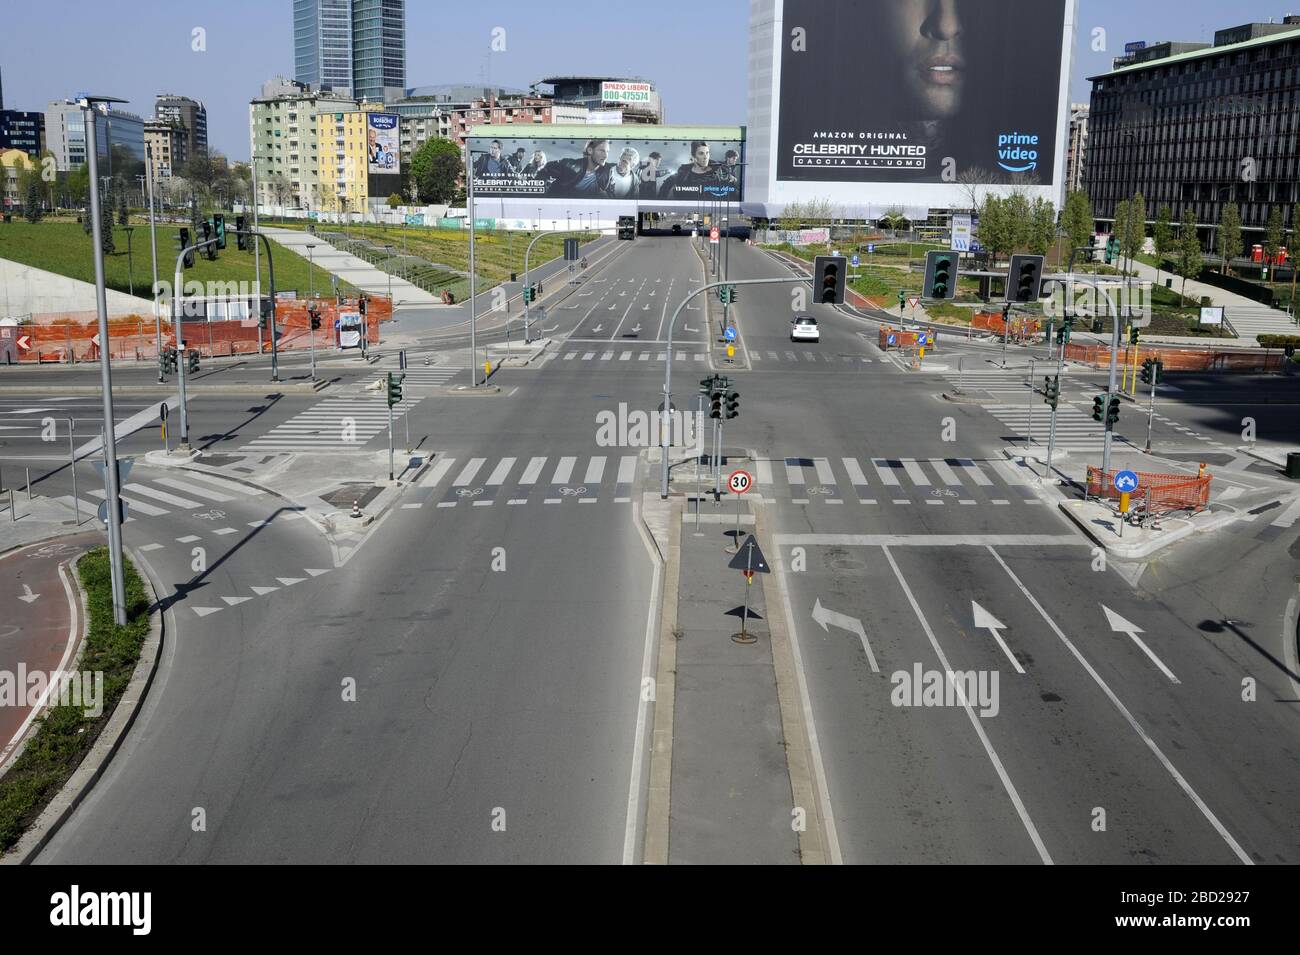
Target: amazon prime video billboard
x,y
900,92
661,170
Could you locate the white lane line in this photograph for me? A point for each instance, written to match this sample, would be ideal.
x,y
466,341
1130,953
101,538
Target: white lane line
x,y
223,531
499,473
627,469
970,712
563,471
148,547
1128,717
437,472
468,471
534,468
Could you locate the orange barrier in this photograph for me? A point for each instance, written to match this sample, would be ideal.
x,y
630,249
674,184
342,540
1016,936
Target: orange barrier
x,y
1182,359
1020,328
904,339
1169,492
134,337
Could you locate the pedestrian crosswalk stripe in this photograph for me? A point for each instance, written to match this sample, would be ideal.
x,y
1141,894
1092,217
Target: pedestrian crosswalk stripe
x,y
946,474
191,488
595,469
243,490
793,472
914,472
627,469
132,503
570,356
498,475
589,356
886,471
969,467
163,496
856,477
824,473
532,471
467,473
626,356
563,470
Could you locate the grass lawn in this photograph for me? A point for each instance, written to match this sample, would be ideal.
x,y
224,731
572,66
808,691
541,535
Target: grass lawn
x,y
63,247
497,252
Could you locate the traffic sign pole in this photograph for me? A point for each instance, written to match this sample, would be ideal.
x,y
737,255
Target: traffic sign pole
x,y
1151,413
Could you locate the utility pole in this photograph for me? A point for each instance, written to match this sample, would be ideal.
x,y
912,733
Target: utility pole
x,y
473,282
89,108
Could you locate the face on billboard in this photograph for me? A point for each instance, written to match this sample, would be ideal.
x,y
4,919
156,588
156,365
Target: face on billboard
x,y
381,143
671,170
911,91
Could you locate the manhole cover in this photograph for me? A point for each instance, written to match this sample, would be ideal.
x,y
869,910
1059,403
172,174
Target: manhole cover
x,y
363,494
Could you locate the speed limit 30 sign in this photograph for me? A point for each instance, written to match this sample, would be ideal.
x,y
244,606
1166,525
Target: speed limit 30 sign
x,y
739,482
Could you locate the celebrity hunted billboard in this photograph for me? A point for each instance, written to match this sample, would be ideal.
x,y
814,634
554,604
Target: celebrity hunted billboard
x,y
870,97
566,167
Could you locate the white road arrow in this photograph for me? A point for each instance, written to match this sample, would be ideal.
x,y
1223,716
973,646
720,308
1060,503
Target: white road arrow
x,y
598,328
28,596
687,328
1120,625
612,307
645,308
551,329
986,621
636,330
844,622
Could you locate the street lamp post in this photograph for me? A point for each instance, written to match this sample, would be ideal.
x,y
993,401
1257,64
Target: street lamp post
x,y
153,254
311,271
112,502
130,273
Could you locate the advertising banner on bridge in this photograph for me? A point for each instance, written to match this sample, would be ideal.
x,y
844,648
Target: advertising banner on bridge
x,y
900,102
607,168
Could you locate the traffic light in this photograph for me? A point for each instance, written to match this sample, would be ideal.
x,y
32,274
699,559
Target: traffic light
x,y
241,240
192,364
715,404
313,315
1112,250
1148,372
1052,391
219,226
902,297
206,228
940,274
361,304
164,362
1112,412
183,242
394,388
529,294
733,404
828,279
1157,371
1099,408
1025,279
1006,313
1134,335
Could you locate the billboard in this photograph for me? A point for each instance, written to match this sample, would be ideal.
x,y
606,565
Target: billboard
x,y
616,92
898,102
552,167
383,150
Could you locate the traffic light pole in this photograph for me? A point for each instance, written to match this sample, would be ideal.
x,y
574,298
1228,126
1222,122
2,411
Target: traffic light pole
x,y
177,325
527,284
665,427
270,268
1151,413
153,254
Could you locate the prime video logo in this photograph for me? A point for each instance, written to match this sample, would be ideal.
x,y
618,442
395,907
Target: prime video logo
x,y
1017,148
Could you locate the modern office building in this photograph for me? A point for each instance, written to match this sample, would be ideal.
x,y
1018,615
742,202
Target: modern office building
x,y
1196,126
636,97
65,132
353,48
1076,147
188,115
22,130
282,130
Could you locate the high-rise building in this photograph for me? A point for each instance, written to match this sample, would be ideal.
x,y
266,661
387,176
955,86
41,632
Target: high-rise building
x,y
188,115
1196,126
22,130
1076,149
165,142
282,127
355,48
65,134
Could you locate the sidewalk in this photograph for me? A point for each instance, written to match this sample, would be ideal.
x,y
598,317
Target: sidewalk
x,y
350,268
1250,318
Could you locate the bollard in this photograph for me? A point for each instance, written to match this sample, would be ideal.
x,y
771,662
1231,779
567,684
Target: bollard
x,y
356,509
29,483
13,515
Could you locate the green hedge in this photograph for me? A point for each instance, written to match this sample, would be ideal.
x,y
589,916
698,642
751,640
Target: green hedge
x,y
65,734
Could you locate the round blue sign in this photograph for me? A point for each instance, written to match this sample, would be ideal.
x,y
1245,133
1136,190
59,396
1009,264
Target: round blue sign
x,y
892,340
730,333
923,339
871,247
1126,482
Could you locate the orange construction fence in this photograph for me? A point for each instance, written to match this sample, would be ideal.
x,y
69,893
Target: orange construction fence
x,y
1168,492
904,339
64,338
1182,359
1020,328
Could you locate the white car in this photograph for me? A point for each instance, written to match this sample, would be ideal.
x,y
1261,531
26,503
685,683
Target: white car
x,y
804,329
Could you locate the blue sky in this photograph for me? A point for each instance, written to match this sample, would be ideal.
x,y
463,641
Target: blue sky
x,y
695,52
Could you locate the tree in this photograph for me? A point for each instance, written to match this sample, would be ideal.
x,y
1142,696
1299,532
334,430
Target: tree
x,y
394,200
1077,221
1135,228
1119,229
1274,235
1190,257
122,217
32,203
1229,235
996,231
791,217
106,225
435,169
1042,226
1162,235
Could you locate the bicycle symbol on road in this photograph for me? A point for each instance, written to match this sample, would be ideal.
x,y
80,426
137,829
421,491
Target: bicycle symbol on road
x,y
468,492
572,491
941,492
212,515
52,550
821,490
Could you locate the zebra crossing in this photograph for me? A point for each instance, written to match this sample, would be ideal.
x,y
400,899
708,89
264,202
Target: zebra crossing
x,y
432,376
201,494
344,423
575,479
597,353
1075,431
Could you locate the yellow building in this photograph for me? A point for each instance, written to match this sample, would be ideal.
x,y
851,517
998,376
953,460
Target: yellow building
x,y
11,161
342,161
